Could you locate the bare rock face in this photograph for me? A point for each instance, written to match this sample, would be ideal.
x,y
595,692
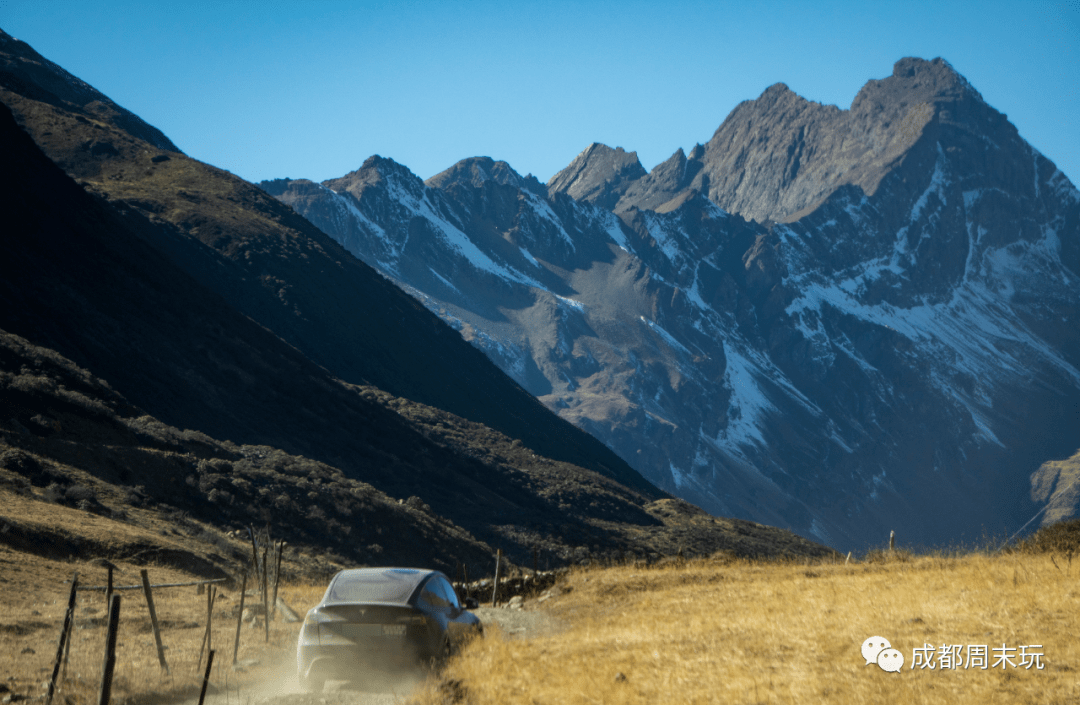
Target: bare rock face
x,y
598,175
778,157
477,171
668,185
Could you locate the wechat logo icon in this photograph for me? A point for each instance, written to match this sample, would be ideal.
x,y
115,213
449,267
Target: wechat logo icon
x,y
877,649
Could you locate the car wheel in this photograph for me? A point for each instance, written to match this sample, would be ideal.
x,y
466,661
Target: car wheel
x,y
439,660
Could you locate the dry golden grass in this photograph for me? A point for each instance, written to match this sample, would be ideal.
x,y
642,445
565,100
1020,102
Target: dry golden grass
x,y
718,630
744,632
265,667
34,592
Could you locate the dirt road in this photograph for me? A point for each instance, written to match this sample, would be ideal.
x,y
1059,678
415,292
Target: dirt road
x,y
515,623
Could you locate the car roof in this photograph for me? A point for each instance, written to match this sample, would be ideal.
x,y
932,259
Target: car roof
x,y
383,585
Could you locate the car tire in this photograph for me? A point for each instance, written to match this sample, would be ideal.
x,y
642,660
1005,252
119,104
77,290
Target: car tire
x,y
439,660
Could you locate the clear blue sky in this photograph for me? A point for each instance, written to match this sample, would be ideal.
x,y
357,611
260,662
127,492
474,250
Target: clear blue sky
x,y
310,89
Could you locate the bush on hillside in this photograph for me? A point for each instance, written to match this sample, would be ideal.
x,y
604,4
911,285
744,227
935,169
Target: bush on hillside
x,y
1061,537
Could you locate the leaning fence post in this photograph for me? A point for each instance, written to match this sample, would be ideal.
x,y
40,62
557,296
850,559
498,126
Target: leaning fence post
x,y
65,633
209,618
67,651
108,587
109,663
206,676
239,619
211,594
254,551
495,589
892,540
153,620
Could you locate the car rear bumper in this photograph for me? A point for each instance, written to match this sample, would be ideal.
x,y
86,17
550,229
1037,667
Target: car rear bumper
x,y
356,662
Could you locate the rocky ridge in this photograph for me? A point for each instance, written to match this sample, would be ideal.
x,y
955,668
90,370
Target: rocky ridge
x,y
837,321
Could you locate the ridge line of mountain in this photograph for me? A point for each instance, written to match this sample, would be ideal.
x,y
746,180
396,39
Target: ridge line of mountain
x,y
819,371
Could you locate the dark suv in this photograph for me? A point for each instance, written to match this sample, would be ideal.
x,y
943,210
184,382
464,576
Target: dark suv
x,y
375,623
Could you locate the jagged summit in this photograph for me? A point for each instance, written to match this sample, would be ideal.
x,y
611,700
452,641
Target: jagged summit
x,y
380,165
599,174
666,182
377,170
474,171
937,76
778,91
779,156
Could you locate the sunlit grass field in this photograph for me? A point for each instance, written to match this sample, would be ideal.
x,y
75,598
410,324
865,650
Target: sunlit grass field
x,y
736,631
30,628
719,629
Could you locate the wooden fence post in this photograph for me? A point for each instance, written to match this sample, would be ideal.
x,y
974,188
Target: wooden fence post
x,y
277,576
109,663
153,620
210,593
65,634
67,651
254,551
108,588
892,540
239,619
495,589
210,616
206,676
265,596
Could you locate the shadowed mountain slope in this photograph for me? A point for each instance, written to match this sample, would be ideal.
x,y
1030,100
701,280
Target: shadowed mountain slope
x,y
276,268
92,287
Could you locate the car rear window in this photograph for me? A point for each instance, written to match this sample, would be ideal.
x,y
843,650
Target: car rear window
x,y
388,586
